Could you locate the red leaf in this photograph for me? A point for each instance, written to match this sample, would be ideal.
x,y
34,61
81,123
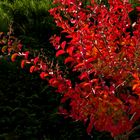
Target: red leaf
x,y
90,60
43,75
57,38
68,36
60,52
79,65
63,44
23,63
70,50
36,60
26,54
86,85
32,69
69,59
83,75
54,82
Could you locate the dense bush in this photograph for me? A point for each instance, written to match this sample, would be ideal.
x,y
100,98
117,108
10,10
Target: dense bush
x,y
104,45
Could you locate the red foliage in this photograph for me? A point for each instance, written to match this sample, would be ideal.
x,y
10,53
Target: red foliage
x,y
107,56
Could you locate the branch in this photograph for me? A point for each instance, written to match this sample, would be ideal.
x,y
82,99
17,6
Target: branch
x,y
133,130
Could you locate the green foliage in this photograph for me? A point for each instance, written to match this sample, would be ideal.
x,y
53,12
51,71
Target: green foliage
x,y
30,20
5,19
135,3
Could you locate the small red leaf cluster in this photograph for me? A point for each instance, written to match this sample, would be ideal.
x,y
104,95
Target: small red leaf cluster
x,y
10,44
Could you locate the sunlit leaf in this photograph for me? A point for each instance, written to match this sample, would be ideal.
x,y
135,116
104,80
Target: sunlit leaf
x,y
14,56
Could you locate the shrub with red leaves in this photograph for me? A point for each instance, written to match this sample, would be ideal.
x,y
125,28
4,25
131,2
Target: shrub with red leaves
x,y
104,49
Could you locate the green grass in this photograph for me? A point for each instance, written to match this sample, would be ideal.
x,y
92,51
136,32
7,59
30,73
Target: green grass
x,y
25,14
30,20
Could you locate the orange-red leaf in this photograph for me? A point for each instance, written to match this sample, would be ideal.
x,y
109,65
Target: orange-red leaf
x,y
23,63
32,69
136,86
135,75
4,48
60,52
14,56
94,51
